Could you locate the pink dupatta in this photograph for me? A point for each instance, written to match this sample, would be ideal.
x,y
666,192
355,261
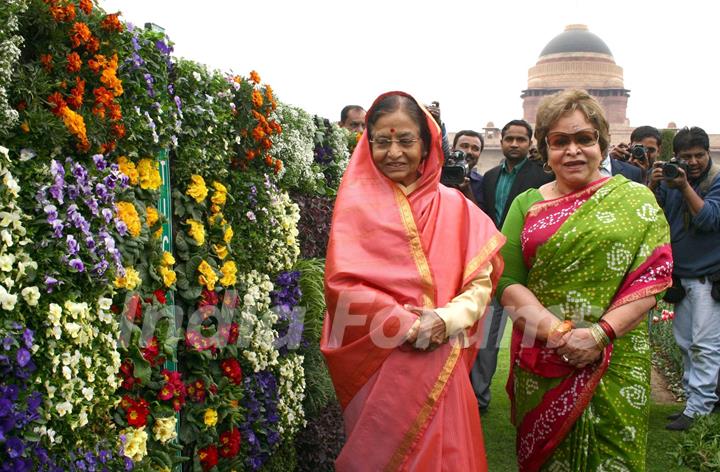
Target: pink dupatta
x,y
404,409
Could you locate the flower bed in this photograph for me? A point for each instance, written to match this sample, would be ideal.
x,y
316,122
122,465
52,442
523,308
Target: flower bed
x,y
154,324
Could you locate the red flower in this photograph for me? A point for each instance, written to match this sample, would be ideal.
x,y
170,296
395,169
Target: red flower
x,y
230,443
167,392
79,34
160,296
137,413
234,333
208,457
75,100
208,297
196,391
118,130
152,351
232,370
127,369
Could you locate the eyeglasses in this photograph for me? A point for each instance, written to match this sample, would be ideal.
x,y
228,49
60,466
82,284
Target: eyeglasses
x,y
385,143
583,138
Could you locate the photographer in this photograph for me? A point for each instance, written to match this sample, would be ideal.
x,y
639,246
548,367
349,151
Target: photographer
x,y
688,190
644,149
471,144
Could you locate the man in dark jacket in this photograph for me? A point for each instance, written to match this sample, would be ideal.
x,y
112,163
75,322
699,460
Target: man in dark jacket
x,y
500,186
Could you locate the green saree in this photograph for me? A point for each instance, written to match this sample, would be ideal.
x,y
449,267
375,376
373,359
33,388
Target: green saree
x,y
583,255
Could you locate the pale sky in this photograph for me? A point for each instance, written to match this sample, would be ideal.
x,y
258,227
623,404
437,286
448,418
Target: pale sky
x,y
471,56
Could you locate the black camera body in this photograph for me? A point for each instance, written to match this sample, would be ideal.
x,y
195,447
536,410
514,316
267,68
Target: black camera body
x,y
455,169
638,152
671,169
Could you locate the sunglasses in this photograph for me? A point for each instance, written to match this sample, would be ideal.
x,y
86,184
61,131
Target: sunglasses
x,y
584,138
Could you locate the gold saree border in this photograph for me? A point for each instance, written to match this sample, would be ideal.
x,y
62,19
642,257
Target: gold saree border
x,y
483,256
416,249
403,449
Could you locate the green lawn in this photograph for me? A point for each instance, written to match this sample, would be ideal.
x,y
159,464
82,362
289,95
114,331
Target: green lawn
x,y
500,434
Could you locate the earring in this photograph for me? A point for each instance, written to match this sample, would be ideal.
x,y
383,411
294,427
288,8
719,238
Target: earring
x,y
546,168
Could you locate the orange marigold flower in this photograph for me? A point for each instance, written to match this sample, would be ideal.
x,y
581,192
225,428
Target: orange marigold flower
x,y
250,155
93,45
115,112
118,129
258,133
112,23
57,103
268,160
269,93
63,84
103,97
73,62
61,14
108,147
79,34
47,61
266,143
83,145
255,77
86,6
74,123
276,127
25,127
278,166
77,93
257,99
97,63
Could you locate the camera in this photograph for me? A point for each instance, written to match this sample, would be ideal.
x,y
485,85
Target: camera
x,y
638,152
455,169
671,169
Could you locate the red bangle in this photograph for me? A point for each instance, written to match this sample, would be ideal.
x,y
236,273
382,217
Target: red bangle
x,y
608,329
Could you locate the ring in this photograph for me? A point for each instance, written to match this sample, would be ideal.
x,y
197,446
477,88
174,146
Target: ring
x,y
565,358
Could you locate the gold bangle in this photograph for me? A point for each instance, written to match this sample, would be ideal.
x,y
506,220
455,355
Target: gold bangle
x,y
601,338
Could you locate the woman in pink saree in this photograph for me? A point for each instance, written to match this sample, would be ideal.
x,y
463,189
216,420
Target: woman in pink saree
x,y
411,265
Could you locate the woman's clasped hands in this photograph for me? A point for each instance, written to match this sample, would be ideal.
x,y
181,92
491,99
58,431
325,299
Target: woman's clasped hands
x,y
428,332
577,347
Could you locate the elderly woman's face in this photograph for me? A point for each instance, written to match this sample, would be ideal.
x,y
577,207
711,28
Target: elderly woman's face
x,y
397,148
573,150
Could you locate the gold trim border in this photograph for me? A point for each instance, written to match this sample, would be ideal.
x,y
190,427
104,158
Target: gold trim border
x,y
398,457
416,249
482,256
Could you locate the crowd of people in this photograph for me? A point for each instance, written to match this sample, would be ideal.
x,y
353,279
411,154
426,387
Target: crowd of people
x,y
572,239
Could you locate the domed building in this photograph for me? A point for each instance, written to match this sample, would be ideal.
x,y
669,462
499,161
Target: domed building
x,y
577,58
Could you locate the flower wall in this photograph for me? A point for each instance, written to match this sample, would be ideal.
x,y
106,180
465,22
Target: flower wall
x,y
152,313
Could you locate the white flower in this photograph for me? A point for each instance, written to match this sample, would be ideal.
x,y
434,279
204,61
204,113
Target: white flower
x,y
6,237
104,303
64,408
31,295
73,329
7,300
6,262
88,393
54,313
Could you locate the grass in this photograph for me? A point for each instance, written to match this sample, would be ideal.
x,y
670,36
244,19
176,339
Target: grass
x,y
500,434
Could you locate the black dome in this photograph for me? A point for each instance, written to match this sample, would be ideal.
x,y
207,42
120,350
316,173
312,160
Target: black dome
x,y
576,38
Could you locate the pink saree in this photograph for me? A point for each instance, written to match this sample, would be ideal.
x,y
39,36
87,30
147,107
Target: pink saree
x,y
404,409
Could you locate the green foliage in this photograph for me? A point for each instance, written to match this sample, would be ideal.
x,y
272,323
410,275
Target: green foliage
x,y
667,139
284,459
699,448
319,390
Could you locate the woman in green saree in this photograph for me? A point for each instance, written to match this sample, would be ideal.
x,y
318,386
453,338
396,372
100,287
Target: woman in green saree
x,y
586,258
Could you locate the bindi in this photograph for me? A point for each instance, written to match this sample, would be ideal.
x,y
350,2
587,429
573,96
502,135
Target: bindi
x,y
392,130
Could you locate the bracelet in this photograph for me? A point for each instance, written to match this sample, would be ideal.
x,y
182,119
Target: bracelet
x,y
599,335
609,331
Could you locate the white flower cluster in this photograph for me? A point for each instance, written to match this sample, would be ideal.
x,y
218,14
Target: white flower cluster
x,y
15,263
9,53
295,148
337,139
283,247
257,320
80,362
292,393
